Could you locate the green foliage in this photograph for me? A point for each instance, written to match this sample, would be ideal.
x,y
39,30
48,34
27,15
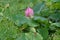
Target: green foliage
x,y
29,36
45,25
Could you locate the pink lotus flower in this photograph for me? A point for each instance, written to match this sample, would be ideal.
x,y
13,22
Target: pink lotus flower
x,y
29,12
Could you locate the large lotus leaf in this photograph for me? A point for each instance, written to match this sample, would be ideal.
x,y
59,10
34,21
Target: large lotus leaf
x,y
30,36
56,24
43,32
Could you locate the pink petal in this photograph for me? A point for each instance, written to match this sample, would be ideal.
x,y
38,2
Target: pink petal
x,y
29,12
